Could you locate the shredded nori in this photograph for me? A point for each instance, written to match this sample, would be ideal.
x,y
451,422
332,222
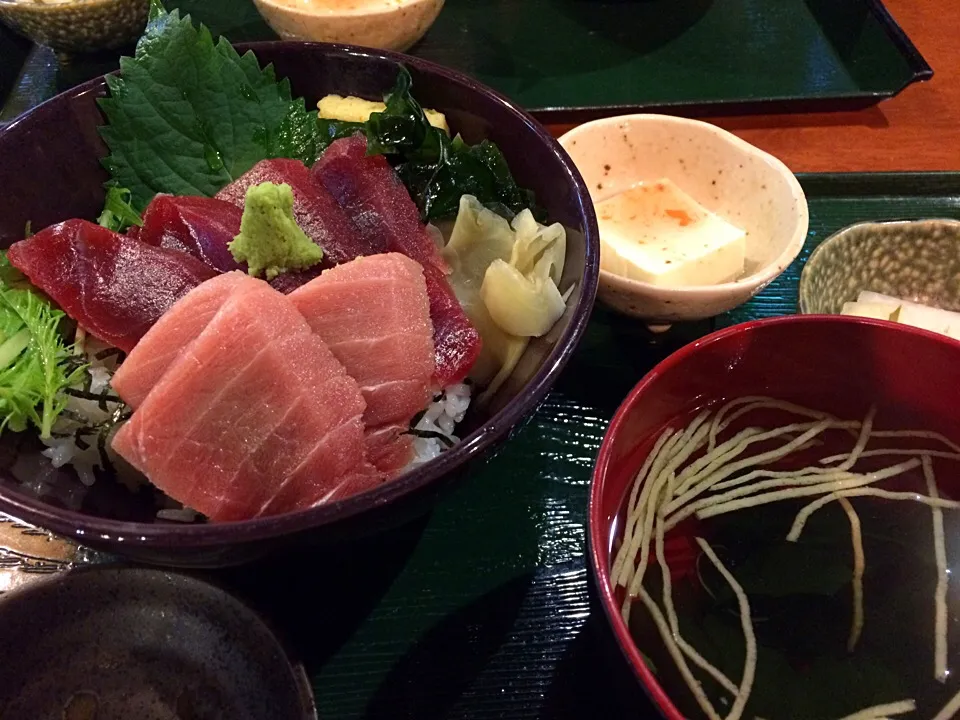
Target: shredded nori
x,y
431,435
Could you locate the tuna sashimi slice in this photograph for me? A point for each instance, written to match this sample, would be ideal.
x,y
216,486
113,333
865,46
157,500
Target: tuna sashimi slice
x,y
172,334
368,188
317,213
380,205
254,384
374,314
114,286
333,456
200,226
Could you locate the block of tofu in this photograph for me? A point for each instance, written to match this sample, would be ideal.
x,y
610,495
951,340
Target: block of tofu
x,y
877,311
926,318
656,233
886,307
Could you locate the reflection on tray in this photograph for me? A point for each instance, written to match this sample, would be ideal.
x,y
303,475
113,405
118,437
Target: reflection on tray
x,y
28,554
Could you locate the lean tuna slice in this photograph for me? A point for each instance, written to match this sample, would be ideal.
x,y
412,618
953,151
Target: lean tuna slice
x,y
172,334
199,226
370,192
374,314
316,211
116,287
255,417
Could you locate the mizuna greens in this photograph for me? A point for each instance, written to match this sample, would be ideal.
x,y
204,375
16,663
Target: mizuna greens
x,y
36,365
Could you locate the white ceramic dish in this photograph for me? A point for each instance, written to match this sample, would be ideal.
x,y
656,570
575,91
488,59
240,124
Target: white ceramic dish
x,y
739,182
383,24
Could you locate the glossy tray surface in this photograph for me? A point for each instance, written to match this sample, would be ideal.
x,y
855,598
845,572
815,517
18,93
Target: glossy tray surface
x,y
572,59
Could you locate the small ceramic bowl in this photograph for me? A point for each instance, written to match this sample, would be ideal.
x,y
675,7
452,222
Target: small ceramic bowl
x,y
742,184
80,26
121,642
912,260
383,24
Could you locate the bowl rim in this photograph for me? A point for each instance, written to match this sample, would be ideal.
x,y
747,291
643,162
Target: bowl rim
x,y
763,275
840,234
381,11
598,534
91,529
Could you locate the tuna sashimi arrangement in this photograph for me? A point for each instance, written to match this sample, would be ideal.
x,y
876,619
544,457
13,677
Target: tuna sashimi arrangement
x,y
284,338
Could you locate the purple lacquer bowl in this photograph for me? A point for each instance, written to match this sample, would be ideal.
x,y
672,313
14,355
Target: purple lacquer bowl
x,y
50,171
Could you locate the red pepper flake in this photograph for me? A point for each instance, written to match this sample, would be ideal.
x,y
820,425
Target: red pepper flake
x,y
682,215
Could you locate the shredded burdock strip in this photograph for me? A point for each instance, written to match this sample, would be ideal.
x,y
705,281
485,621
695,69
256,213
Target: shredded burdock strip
x,y
692,471
940,594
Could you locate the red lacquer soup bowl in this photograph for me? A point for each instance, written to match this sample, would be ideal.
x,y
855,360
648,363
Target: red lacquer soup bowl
x,y
835,364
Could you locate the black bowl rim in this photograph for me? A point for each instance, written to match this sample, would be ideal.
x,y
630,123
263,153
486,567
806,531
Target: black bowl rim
x,y
93,529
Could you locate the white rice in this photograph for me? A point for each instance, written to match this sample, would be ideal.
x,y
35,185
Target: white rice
x,y
62,446
441,417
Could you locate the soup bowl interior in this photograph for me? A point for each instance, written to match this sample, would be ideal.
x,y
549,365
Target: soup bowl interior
x,y
834,364
51,171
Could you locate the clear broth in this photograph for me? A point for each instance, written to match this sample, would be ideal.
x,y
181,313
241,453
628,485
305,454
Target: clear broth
x,y
801,598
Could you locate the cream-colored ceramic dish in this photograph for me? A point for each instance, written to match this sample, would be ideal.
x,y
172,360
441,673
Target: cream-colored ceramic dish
x,y
916,260
742,184
384,24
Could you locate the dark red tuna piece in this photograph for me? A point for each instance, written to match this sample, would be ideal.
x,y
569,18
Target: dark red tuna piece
x,y
200,226
370,191
114,286
316,211
380,205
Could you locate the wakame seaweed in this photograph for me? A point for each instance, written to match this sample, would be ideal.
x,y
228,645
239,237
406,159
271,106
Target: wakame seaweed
x,y
436,169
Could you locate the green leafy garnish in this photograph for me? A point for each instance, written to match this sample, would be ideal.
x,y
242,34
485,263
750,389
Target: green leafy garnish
x,y
187,115
118,214
36,365
436,168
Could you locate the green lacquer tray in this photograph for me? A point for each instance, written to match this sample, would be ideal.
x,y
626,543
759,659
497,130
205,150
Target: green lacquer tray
x,y
482,609
571,59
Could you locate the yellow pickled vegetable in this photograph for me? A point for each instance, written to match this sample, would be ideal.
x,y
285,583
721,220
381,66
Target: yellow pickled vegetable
x,y
520,304
505,275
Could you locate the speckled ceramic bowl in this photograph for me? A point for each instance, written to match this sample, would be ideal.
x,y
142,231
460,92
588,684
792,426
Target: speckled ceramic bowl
x,y
79,26
913,260
740,183
383,24
112,642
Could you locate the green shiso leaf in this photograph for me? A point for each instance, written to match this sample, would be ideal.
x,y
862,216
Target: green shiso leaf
x,y
187,115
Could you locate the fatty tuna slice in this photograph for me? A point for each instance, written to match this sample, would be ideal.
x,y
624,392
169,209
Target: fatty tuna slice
x,y
316,211
115,287
199,226
370,192
374,315
172,334
210,432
